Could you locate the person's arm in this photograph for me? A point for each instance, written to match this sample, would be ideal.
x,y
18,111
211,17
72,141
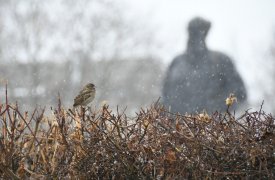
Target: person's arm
x,y
168,81
234,80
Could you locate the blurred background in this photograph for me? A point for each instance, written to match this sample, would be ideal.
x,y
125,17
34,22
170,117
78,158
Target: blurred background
x,y
125,47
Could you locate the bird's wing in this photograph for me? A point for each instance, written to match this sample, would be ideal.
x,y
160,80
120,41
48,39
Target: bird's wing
x,y
81,97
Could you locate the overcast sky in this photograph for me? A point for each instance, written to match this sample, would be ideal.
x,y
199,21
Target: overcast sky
x,y
236,24
243,29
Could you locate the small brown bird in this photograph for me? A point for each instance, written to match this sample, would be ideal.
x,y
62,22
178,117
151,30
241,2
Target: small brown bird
x,y
85,96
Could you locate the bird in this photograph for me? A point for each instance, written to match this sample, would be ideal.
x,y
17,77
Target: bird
x,y
85,96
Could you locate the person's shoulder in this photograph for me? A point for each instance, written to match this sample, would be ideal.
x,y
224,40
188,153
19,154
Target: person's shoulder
x,y
219,56
179,59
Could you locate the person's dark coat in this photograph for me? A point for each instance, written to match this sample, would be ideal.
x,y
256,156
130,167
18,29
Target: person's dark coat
x,y
201,79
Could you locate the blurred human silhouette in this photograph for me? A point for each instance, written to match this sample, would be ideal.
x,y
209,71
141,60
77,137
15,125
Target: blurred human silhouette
x,y
201,79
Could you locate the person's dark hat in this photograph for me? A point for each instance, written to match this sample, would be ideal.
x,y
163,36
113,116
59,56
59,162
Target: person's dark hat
x,y
198,27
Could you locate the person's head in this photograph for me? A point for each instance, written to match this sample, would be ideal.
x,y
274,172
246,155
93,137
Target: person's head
x,y
198,28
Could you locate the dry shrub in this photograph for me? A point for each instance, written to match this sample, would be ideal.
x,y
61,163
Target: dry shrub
x,y
100,144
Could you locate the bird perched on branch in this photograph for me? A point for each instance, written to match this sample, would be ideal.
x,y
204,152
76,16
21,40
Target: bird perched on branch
x,y
85,96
